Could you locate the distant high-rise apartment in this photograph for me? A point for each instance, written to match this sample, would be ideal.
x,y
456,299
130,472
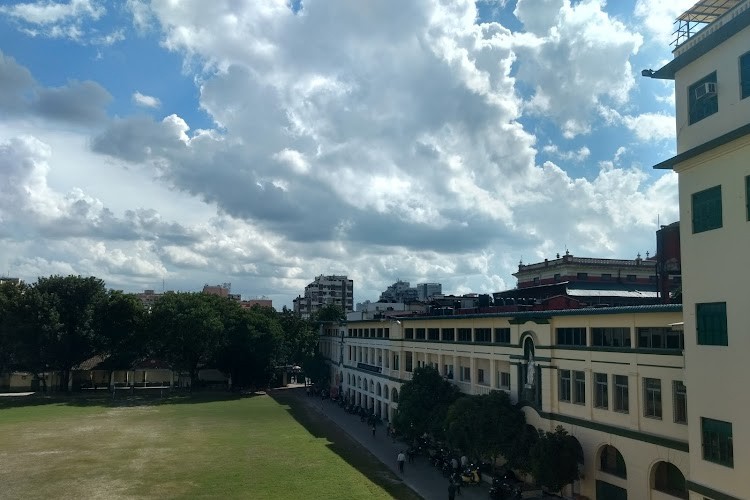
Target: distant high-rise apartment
x,y
425,291
326,290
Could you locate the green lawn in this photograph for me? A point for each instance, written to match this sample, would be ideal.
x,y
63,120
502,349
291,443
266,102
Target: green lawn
x,y
253,447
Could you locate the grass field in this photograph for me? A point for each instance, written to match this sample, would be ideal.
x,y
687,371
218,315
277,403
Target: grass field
x,y
251,447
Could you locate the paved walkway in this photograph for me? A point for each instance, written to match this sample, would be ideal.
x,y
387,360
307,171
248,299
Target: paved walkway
x,y
420,476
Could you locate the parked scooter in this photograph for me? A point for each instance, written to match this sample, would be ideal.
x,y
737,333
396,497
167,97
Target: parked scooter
x,y
471,475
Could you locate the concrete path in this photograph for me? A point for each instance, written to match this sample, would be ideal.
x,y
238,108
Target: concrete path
x,y
420,476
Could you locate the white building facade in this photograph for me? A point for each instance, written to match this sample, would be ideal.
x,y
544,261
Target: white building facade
x,y
614,378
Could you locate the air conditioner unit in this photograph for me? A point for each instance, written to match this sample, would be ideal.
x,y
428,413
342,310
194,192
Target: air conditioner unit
x,y
705,90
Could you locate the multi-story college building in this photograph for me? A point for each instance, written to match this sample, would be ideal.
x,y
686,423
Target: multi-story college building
x,y
617,378
711,71
613,377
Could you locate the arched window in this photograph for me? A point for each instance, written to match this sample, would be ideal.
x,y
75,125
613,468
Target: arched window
x,y
385,392
378,390
394,395
359,382
372,386
668,479
611,462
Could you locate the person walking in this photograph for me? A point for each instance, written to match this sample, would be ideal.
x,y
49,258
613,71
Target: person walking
x,y
400,459
451,491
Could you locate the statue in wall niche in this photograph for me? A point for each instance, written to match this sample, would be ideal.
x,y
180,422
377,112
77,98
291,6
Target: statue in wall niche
x,y
530,372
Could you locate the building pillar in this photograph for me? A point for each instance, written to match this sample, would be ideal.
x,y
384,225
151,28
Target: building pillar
x,y
494,375
473,372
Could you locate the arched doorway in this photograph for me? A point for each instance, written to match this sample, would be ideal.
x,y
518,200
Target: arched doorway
x,y
394,395
378,390
611,462
667,478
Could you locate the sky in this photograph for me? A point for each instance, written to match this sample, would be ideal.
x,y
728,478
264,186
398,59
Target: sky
x,y
170,144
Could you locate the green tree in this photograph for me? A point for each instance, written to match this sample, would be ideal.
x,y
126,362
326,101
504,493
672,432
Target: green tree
x,y
504,423
518,453
466,426
252,347
189,329
10,323
317,369
123,338
79,302
484,426
300,337
554,459
37,326
423,404
330,313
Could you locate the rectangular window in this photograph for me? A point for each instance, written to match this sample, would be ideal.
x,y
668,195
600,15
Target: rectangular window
x,y
433,333
419,333
505,380
396,362
610,337
571,336
480,376
482,334
652,397
660,337
557,277
409,362
449,334
703,101
409,333
380,333
582,276
706,206
464,334
717,441
622,395
448,371
466,373
579,388
387,333
502,335
564,393
679,401
745,75
631,277
601,391
606,277
711,323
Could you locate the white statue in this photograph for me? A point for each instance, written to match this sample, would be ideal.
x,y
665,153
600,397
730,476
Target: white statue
x,y
530,372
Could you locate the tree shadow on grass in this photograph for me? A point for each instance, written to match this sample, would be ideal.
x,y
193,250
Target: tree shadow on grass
x,y
344,445
121,398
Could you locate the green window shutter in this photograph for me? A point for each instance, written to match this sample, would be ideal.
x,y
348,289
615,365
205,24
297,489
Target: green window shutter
x,y
745,76
707,212
711,323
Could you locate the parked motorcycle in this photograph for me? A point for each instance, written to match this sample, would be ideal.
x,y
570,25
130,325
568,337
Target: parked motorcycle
x,y
502,489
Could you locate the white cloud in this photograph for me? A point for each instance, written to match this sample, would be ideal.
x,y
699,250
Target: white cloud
x,y
49,12
59,20
651,126
658,17
393,146
146,101
577,156
577,57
